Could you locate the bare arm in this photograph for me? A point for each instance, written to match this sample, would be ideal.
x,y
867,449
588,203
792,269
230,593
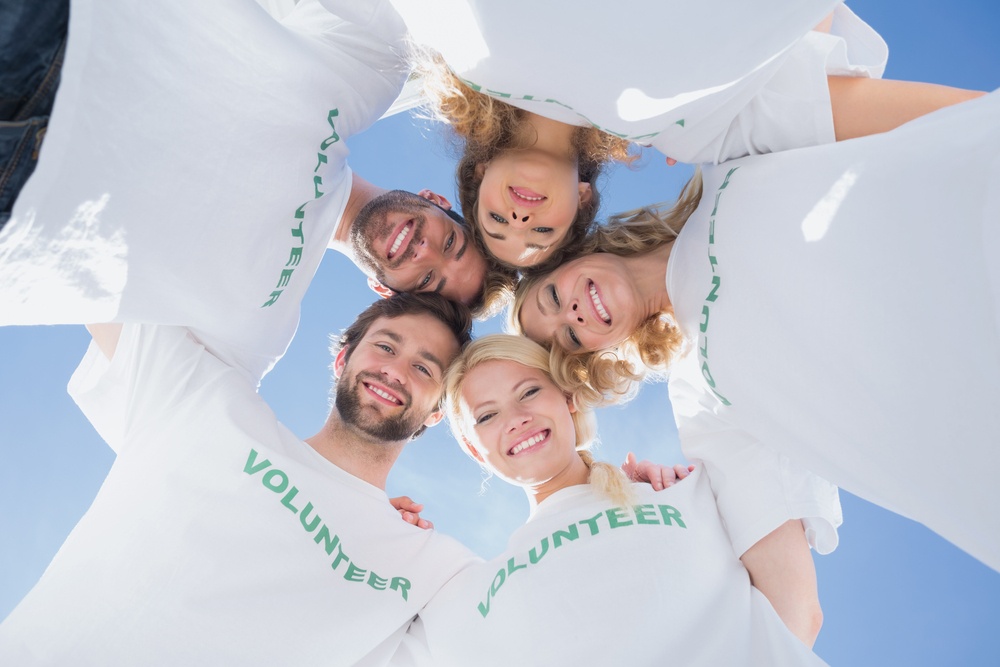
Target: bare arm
x,y
781,567
106,337
868,106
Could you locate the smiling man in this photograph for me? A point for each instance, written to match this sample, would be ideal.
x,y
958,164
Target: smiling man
x,y
219,537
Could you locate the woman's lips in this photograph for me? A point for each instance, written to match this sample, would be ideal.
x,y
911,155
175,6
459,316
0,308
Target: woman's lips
x,y
526,197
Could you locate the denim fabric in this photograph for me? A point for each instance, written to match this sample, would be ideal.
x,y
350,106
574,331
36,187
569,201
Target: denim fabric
x,y
32,45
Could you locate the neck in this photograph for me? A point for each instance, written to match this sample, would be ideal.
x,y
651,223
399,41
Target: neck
x,y
649,271
362,192
549,135
575,474
355,452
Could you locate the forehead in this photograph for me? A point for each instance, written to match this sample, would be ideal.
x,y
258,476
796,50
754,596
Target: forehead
x,y
419,332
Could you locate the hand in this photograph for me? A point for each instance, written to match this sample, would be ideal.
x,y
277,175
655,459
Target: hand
x,y
410,512
671,162
658,476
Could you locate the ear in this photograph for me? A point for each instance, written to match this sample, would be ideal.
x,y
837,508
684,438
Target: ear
x,y
570,403
434,418
481,170
435,198
379,288
586,194
471,451
339,362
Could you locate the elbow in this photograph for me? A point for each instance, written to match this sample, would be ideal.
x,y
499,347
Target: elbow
x,y
813,623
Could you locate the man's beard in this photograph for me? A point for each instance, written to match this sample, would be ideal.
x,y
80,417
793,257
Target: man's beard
x,y
396,428
371,227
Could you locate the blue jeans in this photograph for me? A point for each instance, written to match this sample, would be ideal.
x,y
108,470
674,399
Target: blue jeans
x,y
32,46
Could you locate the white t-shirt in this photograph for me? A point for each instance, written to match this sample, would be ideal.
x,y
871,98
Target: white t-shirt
x,y
701,81
844,303
588,583
195,170
219,537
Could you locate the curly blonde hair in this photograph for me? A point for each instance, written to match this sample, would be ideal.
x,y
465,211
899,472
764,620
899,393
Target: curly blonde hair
x,y
604,477
604,377
488,127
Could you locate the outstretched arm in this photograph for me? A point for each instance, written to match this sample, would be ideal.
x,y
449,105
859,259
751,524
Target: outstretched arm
x,y
781,567
864,106
106,336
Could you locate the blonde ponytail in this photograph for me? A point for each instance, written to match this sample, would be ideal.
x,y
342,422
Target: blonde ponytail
x,y
608,480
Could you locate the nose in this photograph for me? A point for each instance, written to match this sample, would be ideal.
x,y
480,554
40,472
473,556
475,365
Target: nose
x,y
517,420
393,370
574,314
420,250
518,221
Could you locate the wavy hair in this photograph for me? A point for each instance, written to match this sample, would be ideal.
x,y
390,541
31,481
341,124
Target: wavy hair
x,y
487,127
604,377
604,477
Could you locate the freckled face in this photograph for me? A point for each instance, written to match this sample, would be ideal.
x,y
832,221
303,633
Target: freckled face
x,y
519,422
528,200
588,304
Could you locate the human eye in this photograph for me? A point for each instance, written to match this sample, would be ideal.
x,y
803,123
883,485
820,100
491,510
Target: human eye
x,y
530,391
497,218
423,369
426,281
450,242
553,295
384,347
572,336
482,419
543,230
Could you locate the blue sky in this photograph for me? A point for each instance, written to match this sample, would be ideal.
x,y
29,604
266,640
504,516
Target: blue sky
x,y
892,593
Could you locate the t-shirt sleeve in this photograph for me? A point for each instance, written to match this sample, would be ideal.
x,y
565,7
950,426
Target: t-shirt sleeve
x,y
756,489
367,40
793,109
154,371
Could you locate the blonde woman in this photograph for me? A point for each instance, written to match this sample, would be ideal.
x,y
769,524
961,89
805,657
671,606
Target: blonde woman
x,y
837,303
657,568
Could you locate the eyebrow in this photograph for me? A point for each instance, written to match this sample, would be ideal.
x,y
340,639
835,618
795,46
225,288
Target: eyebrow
x,y
426,354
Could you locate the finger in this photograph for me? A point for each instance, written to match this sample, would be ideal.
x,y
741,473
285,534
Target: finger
x,y
681,471
409,517
425,524
629,466
671,162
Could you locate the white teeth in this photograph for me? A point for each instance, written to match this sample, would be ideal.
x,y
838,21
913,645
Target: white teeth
x,y
598,305
399,239
384,395
530,442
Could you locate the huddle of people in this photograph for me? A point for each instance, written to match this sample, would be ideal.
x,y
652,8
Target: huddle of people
x,y
783,290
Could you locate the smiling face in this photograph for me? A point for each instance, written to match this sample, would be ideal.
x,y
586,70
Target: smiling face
x,y
521,425
413,245
389,385
528,200
588,304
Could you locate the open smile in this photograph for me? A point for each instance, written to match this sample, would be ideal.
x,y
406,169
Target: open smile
x,y
383,395
532,441
396,241
526,197
597,305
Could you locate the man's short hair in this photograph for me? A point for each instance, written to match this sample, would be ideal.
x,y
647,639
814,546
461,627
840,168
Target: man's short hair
x,y
453,315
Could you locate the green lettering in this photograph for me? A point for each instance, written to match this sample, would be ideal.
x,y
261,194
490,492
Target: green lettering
x,y
645,514
377,582
295,256
615,516
484,607
274,297
289,497
297,232
311,526
712,296
402,585
707,374
671,514
333,138
354,573
282,482
252,467
317,181
571,533
285,276
725,182
320,160
703,327
340,557
592,522
501,576
329,541
512,567
534,556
